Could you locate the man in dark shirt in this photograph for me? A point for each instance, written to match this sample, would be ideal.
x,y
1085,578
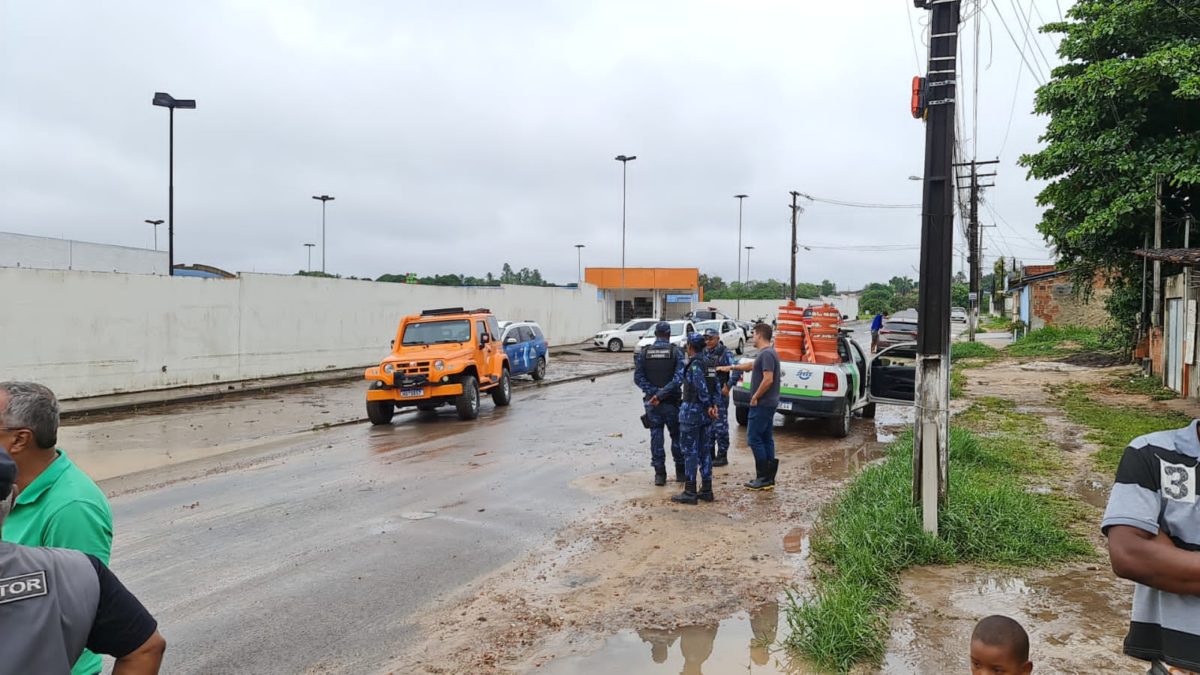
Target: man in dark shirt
x,y
760,429
55,602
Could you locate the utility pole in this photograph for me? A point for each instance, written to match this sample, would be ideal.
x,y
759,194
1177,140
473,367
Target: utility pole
x,y
624,160
796,209
932,425
310,248
974,252
579,261
1157,309
324,199
740,199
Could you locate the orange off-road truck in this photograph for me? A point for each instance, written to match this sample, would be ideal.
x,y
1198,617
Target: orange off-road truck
x,y
441,357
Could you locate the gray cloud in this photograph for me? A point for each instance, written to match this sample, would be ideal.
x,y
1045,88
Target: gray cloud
x,y
458,136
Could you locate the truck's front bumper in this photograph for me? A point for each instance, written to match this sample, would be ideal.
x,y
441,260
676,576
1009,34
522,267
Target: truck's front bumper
x,y
798,406
384,387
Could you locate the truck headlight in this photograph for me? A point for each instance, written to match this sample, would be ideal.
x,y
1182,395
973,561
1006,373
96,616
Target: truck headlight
x,y
439,365
389,368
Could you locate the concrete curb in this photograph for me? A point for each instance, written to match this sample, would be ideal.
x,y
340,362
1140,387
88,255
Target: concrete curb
x,y
133,401
534,385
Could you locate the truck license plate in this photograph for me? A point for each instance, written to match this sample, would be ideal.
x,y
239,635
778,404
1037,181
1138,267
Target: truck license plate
x,y
785,405
412,393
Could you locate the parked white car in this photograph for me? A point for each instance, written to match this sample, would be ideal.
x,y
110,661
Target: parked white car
x,y
958,315
732,335
626,336
679,332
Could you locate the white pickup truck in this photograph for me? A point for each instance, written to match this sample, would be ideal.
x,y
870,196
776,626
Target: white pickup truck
x,y
835,392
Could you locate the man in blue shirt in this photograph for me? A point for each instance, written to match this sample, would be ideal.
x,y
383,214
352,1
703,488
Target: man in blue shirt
x,y
876,326
658,372
697,408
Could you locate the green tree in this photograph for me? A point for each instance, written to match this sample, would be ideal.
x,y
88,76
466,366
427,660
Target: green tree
x,y
1122,114
828,287
876,300
960,295
902,285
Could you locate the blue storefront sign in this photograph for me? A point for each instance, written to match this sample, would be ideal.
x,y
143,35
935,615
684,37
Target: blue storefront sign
x,y
679,297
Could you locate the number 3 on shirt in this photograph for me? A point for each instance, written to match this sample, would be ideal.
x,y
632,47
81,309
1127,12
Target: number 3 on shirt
x,y
1178,482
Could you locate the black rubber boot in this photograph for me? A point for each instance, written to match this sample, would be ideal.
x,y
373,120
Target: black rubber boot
x,y
772,470
679,477
705,493
660,476
761,482
688,496
722,459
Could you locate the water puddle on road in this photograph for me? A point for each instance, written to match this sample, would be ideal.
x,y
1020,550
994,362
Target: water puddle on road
x,y
747,642
1093,492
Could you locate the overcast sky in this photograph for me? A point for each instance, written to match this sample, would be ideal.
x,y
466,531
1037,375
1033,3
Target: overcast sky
x,y
457,136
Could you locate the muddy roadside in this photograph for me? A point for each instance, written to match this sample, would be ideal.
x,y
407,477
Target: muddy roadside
x,y
650,584
1076,614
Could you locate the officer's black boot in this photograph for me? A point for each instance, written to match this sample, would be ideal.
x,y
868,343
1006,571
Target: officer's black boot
x,y
679,476
688,496
722,458
660,475
772,470
705,493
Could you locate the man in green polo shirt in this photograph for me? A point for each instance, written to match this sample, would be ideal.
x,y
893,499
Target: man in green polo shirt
x,y
57,505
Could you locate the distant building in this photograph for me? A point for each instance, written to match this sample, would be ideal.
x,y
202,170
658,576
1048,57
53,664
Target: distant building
x,y
1046,296
645,292
22,250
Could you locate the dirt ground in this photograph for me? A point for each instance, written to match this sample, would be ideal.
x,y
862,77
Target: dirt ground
x,y
646,564
1076,614
643,567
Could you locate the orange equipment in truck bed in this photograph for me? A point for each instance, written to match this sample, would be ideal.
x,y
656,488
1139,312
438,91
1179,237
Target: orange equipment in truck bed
x,y
808,335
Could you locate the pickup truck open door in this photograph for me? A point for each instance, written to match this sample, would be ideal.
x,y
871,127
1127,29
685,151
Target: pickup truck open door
x,y
893,378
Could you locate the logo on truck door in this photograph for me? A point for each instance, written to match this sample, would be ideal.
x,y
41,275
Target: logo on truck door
x,y
804,373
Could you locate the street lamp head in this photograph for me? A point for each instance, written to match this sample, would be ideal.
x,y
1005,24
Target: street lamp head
x,y
323,198
580,245
740,196
625,158
310,245
155,222
749,248
915,178
165,100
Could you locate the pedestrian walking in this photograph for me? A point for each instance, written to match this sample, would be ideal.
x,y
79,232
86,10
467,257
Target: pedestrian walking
x,y
716,354
57,504
764,399
696,409
876,326
1153,527
55,602
658,372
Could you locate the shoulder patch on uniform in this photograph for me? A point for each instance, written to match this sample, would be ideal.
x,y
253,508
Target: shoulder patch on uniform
x,y
22,587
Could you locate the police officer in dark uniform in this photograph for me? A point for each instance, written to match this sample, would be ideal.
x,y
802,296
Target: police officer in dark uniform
x,y
658,372
717,354
55,602
694,414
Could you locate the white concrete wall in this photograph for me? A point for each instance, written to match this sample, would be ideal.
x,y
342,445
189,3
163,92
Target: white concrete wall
x,y
90,333
752,309
21,250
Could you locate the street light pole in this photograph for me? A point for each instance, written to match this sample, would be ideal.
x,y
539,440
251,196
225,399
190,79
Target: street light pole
x,y
155,223
323,199
164,100
740,198
748,249
310,248
624,160
579,261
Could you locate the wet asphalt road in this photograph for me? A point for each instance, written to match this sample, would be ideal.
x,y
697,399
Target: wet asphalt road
x,y
319,554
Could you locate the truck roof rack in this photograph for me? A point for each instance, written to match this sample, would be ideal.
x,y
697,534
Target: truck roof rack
x,y
442,311
480,310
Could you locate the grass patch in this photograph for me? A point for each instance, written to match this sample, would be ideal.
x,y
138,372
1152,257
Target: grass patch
x,y
872,532
1056,342
958,383
1146,385
972,350
1113,427
996,324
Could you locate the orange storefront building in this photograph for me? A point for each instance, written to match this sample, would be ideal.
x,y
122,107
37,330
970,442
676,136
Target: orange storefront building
x,y
646,292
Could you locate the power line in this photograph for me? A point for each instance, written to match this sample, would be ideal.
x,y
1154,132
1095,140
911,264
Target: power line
x,y
1013,107
859,205
913,35
1059,6
1029,30
1036,72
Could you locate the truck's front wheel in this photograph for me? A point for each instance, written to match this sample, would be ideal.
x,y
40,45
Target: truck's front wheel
x,y
380,412
467,403
742,414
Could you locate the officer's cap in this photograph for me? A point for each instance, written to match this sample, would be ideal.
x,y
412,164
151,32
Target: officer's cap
x,y
711,332
8,474
662,328
696,340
